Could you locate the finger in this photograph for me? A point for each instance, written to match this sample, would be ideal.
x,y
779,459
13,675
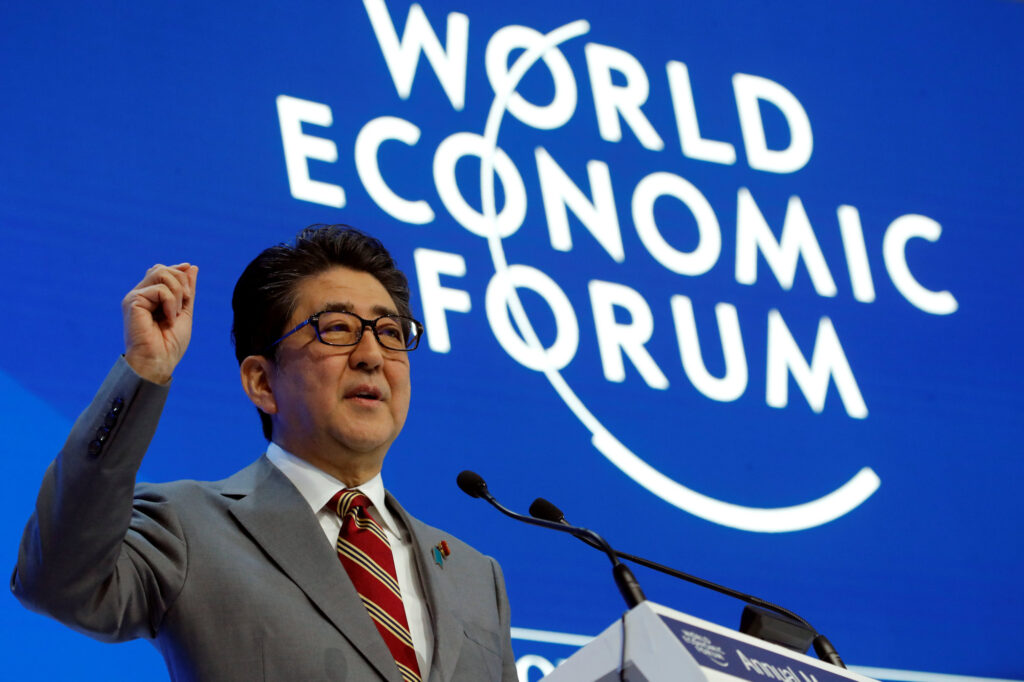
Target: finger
x,y
176,282
142,297
185,272
159,271
157,300
179,272
192,274
147,279
182,271
179,280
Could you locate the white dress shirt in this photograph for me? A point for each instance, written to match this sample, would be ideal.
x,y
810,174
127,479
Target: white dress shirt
x,y
317,488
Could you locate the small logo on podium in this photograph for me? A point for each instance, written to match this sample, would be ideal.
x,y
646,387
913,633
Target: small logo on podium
x,y
702,644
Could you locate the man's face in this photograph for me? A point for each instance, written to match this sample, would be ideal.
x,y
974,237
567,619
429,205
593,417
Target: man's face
x,y
339,406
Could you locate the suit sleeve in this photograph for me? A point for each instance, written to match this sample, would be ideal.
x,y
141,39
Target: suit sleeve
x,y
97,554
508,661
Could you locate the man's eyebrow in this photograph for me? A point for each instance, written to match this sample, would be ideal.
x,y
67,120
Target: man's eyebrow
x,y
346,307
333,307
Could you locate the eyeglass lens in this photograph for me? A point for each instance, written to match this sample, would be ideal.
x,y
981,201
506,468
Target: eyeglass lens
x,y
345,329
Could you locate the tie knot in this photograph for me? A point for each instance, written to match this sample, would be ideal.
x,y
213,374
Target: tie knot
x,y
345,502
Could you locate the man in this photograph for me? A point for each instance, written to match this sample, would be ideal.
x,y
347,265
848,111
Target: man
x,y
274,573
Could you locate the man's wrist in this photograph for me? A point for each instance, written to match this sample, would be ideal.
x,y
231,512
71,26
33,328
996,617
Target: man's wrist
x,y
147,372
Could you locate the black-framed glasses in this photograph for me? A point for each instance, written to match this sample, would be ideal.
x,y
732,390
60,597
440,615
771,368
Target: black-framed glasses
x,y
338,328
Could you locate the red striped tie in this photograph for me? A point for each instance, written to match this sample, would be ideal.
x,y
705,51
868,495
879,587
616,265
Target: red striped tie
x,y
365,553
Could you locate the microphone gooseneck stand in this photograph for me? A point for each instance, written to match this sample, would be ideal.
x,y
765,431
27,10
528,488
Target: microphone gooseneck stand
x,y
474,486
544,510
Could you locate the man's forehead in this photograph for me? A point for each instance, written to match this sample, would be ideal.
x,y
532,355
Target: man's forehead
x,y
348,307
343,289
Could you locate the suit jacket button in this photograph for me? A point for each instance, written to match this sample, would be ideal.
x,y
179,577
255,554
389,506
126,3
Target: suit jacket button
x,y
101,434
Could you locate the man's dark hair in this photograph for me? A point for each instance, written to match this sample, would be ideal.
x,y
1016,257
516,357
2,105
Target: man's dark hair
x,y
265,295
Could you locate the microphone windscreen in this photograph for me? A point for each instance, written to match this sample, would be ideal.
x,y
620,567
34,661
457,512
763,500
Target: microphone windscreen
x,y
542,509
471,483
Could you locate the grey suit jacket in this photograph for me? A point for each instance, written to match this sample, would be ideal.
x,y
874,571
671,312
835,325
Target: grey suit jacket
x,y
231,580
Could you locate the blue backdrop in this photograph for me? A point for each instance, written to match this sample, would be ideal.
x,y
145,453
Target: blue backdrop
x,y
767,270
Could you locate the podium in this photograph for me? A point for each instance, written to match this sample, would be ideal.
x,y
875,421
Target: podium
x,y
662,644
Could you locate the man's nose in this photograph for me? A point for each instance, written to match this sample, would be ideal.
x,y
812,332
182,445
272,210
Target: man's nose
x,y
368,352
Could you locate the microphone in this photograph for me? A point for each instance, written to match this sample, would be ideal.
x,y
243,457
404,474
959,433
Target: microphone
x,y
548,511
473,485
542,509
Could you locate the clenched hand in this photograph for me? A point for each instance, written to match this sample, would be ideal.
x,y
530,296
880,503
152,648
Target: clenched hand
x,y
158,320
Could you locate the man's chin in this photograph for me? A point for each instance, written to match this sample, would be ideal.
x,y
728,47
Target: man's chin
x,y
366,442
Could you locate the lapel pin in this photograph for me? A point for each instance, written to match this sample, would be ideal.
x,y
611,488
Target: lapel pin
x,y
441,552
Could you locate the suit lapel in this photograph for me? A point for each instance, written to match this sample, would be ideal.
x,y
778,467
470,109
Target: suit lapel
x,y
438,590
277,517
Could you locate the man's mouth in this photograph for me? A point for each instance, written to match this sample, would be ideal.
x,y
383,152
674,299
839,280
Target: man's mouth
x,y
364,392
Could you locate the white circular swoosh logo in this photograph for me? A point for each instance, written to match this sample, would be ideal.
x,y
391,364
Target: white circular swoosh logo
x,y
816,512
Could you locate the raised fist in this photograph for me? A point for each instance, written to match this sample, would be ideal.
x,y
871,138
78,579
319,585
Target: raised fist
x,y
158,320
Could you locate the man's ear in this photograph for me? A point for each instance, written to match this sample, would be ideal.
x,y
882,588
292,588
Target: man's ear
x,y
256,372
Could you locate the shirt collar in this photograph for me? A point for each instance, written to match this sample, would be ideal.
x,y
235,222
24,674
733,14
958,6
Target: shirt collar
x,y
317,487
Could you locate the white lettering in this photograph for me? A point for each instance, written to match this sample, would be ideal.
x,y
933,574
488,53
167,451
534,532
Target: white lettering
x,y
798,240
709,245
694,146
856,254
524,664
828,361
734,383
767,669
748,664
403,56
750,91
510,217
435,298
543,117
292,112
611,101
894,246
367,143
567,335
615,339
598,216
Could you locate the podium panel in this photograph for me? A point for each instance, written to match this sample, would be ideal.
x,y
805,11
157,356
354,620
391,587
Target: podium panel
x,y
662,645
